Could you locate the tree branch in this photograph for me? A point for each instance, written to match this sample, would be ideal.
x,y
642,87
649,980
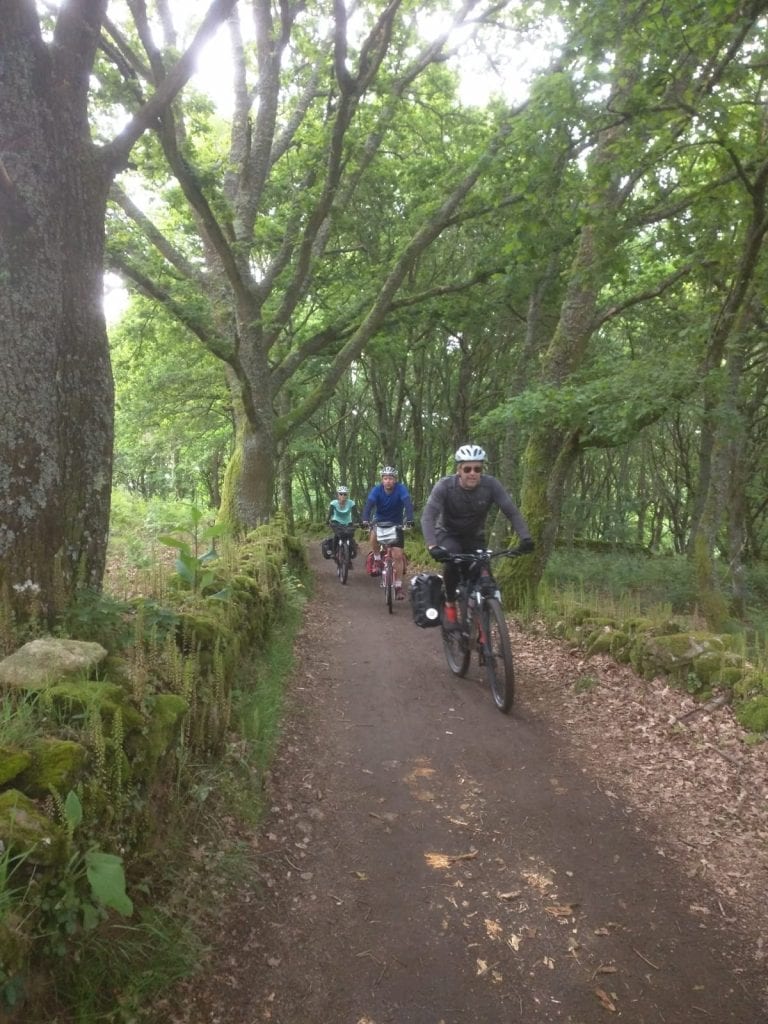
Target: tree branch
x,y
180,311
658,289
116,152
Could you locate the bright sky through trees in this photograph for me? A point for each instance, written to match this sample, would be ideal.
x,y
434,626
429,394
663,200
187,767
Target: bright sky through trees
x,y
493,63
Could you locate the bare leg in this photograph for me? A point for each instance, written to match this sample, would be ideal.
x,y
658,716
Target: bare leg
x,y
398,557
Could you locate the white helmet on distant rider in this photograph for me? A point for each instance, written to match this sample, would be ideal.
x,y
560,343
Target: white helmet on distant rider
x,y
388,471
470,453
341,489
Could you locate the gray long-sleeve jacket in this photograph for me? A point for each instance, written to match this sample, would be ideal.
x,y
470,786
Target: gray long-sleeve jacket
x,y
453,511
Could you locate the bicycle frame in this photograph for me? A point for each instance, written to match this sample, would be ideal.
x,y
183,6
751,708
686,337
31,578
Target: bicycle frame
x,y
385,534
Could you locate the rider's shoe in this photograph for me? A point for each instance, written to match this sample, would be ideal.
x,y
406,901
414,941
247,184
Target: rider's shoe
x,y
399,592
449,618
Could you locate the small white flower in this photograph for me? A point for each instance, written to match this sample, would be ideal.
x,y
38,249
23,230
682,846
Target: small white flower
x,y
27,585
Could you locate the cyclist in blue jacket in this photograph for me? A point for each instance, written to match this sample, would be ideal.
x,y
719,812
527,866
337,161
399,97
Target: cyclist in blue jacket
x,y
390,502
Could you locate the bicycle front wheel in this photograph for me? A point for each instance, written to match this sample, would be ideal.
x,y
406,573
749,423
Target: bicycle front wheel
x,y
456,648
389,585
499,670
343,562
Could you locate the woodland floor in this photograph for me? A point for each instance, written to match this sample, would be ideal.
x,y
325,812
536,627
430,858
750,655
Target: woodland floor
x,y
599,855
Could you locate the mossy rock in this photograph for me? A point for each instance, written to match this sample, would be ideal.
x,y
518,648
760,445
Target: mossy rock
x,y
601,641
638,625
712,666
576,634
15,944
577,616
753,714
27,831
674,654
166,712
74,699
48,660
55,764
751,684
730,676
201,631
620,644
12,763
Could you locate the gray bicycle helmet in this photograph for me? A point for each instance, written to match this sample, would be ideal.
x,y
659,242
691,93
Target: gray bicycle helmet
x,y
341,489
388,471
470,453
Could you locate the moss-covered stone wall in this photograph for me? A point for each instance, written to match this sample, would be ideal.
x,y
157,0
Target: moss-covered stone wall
x,y
103,728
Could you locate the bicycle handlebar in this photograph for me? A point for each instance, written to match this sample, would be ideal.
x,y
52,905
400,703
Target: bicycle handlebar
x,y
487,554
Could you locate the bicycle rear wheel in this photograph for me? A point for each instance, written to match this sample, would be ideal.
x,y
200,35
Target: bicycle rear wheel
x,y
456,646
499,669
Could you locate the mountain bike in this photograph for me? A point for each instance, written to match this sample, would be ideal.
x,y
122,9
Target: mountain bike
x,y
343,553
483,627
386,535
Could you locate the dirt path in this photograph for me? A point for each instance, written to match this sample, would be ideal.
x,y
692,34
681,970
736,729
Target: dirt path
x,y
427,860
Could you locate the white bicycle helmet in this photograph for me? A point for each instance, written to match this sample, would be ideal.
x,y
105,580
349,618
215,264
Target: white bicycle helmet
x,y
470,453
341,489
388,471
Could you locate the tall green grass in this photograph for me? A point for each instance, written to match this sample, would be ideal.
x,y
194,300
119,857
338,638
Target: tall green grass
x,y
655,587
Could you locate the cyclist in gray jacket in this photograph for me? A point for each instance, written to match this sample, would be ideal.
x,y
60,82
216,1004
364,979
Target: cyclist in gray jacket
x,y
454,517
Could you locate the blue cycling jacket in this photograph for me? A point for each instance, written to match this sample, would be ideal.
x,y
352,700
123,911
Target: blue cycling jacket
x,y
396,507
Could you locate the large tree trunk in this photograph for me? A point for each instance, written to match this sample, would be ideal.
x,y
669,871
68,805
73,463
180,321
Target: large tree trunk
x,y
56,423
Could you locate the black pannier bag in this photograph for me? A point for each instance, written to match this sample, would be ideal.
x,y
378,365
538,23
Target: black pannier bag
x,y
327,547
426,599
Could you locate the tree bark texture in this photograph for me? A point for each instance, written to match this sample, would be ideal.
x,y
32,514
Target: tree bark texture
x,y
56,418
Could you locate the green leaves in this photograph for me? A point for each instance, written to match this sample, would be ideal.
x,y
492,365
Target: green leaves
x,y
190,565
106,878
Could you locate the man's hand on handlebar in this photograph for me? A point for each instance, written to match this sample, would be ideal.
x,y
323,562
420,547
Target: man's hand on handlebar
x,y
526,546
440,554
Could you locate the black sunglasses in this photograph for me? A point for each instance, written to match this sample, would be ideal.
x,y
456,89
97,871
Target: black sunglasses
x,y
471,469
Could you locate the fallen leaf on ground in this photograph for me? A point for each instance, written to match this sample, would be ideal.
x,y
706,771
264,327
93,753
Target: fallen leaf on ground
x,y
444,860
605,999
563,910
538,881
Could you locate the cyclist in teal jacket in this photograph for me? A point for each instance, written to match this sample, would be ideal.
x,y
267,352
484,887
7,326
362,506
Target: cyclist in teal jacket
x,y
341,512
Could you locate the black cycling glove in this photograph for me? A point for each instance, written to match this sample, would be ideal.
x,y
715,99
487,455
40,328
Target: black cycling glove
x,y
440,554
526,546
